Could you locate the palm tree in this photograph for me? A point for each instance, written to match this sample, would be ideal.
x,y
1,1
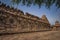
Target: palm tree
x,y
47,3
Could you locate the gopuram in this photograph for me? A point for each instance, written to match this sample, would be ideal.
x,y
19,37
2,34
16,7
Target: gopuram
x,y
56,26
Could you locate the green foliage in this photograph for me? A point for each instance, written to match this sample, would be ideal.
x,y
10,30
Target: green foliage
x,y
47,3
16,1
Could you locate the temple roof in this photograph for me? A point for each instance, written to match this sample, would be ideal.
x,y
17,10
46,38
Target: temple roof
x,y
45,18
57,23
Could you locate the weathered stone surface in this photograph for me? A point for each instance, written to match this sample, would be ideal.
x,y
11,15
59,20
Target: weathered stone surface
x,y
13,20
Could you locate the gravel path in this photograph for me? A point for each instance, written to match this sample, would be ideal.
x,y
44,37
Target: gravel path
x,y
49,35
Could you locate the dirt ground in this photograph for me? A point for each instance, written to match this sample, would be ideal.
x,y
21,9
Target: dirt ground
x,y
48,35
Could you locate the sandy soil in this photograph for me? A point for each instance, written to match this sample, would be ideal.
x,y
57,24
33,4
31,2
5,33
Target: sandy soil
x,y
48,35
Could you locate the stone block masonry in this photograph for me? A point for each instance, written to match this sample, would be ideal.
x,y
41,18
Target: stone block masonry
x,y
15,21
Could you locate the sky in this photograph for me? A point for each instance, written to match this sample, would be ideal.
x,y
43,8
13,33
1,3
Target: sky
x,y
52,14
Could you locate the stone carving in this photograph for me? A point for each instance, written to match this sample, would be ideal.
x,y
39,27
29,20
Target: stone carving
x,y
14,21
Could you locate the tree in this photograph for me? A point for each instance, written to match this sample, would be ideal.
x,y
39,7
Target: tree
x,y
47,3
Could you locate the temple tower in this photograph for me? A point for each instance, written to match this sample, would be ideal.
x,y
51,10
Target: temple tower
x,y
45,19
57,25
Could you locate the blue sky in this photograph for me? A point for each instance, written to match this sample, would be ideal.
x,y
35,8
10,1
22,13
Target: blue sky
x,y
52,14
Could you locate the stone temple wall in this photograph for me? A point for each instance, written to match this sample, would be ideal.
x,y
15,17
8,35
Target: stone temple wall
x,y
14,21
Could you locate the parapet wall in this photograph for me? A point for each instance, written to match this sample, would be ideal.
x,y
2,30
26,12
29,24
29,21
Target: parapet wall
x,y
13,20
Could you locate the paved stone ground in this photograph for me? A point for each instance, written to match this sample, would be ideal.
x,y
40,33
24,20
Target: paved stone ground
x,y
49,35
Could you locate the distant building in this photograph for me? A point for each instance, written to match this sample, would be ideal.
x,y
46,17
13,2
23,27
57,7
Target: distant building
x,y
56,26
